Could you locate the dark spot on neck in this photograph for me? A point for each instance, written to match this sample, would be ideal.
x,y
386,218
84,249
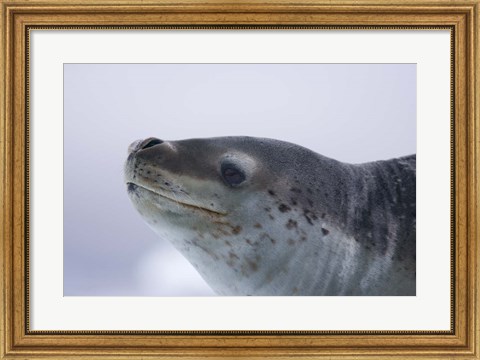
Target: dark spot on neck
x,y
253,265
284,208
237,230
305,214
309,215
291,224
265,236
325,231
296,190
271,192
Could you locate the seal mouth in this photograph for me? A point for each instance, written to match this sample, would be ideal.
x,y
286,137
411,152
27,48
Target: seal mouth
x,y
131,187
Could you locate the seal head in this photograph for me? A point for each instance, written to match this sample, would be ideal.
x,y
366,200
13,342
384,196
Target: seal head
x,y
260,216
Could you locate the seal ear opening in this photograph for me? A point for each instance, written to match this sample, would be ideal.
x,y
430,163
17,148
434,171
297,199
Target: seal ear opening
x,y
232,174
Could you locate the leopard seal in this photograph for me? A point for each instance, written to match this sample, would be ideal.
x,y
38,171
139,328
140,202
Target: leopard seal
x,y
258,216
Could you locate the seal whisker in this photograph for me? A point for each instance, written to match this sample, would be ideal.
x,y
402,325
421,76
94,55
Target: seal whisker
x,y
176,200
194,203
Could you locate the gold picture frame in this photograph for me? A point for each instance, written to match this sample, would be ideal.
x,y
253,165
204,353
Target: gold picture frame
x,y
19,17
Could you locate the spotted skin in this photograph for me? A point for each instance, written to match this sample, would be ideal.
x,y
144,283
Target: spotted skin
x,y
291,222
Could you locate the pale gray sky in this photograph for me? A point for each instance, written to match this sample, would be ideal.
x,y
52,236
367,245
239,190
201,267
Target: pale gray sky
x,y
350,112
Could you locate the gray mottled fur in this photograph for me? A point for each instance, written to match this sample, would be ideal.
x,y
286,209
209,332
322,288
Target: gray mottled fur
x,y
350,228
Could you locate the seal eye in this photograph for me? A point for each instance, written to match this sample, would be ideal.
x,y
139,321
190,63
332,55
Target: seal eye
x,y
232,175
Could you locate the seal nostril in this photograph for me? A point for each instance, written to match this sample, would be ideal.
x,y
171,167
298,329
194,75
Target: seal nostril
x,y
150,142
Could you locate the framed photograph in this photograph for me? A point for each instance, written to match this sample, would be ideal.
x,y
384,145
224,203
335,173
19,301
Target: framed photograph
x,y
239,179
